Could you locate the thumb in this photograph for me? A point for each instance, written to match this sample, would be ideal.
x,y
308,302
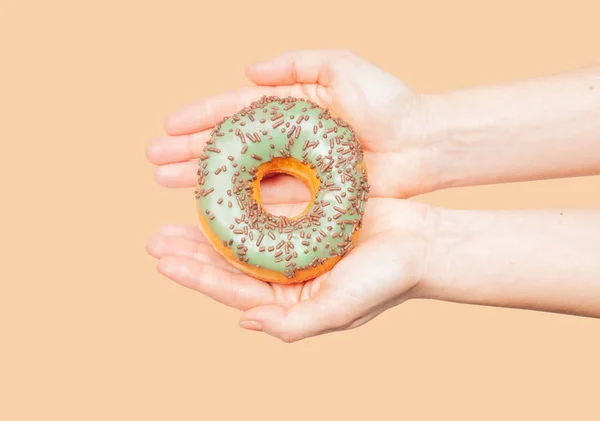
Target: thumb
x,y
302,320
302,66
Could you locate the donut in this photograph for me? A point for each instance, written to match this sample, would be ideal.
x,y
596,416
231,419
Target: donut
x,y
292,136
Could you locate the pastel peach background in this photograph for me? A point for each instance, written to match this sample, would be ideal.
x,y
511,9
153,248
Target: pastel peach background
x,y
90,331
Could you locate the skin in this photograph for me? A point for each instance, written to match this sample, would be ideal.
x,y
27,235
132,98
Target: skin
x,y
536,129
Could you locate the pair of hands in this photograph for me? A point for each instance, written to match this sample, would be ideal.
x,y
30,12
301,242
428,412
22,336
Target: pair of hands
x,y
388,264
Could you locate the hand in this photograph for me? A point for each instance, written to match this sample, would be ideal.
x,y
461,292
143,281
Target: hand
x,y
389,119
382,271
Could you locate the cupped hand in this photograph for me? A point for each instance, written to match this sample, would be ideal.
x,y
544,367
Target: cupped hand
x,y
383,270
390,120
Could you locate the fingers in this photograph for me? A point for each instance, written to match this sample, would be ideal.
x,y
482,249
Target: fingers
x,y
226,287
274,190
164,245
177,175
289,210
308,67
167,153
303,66
305,319
205,113
283,188
185,231
197,265
172,149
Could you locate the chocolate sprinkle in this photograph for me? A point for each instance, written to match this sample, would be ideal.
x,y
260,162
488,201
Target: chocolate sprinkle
x,y
333,160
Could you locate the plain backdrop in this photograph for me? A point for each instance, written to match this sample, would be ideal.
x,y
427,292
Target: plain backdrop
x,y
90,331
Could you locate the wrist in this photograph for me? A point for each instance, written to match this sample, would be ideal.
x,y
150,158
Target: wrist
x,y
419,131
463,131
425,233
442,139
409,231
444,234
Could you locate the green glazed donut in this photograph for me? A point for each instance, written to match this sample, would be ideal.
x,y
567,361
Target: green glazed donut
x,y
282,135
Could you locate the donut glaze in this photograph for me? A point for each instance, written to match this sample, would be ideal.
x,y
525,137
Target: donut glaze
x,y
296,137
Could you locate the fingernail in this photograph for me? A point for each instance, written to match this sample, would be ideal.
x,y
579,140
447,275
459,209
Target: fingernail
x,y
251,325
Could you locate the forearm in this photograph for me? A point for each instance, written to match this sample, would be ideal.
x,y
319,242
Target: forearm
x,y
542,260
536,129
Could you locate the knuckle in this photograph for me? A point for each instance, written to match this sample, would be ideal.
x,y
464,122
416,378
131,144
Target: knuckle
x,y
238,298
294,69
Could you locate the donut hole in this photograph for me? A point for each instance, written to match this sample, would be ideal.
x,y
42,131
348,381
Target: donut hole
x,y
286,187
290,193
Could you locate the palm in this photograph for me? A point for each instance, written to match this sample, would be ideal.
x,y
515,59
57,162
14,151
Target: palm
x,y
347,296
371,100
